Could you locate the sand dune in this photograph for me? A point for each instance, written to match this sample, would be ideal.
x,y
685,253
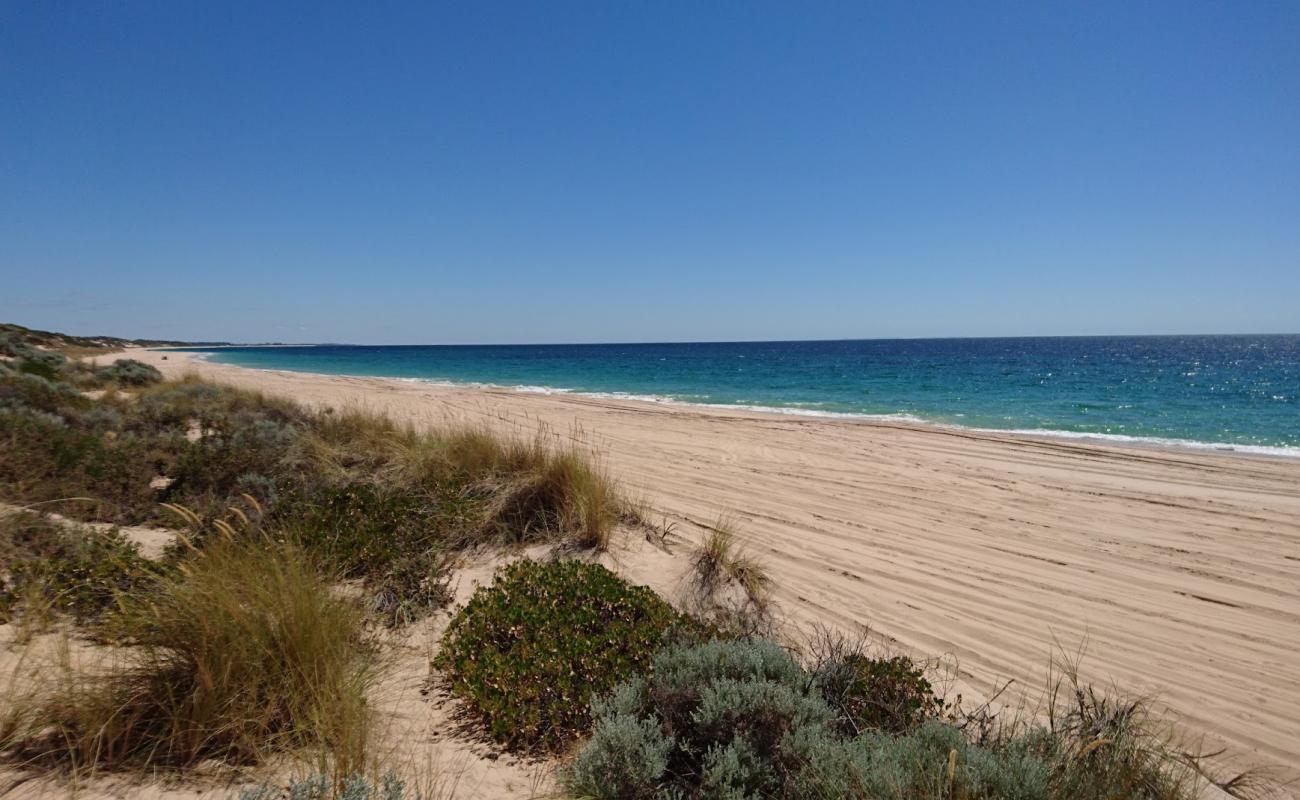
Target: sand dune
x,y
1181,569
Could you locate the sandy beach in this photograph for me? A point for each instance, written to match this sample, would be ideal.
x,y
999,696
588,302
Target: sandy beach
x,y
1178,571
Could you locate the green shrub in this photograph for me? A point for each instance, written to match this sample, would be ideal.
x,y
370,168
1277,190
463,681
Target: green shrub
x,y
12,345
20,391
40,368
208,470
626,757
741,719
320,787
361,528
42,459
129,372
528,653
886,694
932,762
77,570
721,719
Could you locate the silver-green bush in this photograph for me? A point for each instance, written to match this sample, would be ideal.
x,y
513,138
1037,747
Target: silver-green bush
x,y
741,719
320,787
129,372
722,719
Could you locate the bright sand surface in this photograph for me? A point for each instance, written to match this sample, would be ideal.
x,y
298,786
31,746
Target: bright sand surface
x,y
1179,569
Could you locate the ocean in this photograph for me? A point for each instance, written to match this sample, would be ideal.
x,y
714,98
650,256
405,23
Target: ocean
x,y
1237,392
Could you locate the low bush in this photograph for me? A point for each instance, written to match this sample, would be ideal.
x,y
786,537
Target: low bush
x,y
43,458
129,372
721,719
243,651
889,694
741,719
361,528
73,569
12,345
528,652
25,392
321,787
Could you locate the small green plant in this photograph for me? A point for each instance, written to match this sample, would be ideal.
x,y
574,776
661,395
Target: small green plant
x,y
528,652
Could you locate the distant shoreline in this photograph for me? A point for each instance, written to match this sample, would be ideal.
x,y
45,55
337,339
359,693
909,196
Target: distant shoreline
x,y
1145,442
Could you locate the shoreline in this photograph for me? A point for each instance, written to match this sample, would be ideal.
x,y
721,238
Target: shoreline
x,y
1179,569
1161,444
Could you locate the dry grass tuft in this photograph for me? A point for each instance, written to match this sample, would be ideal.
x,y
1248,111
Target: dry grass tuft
x,y
244,650
510,489
727,586
1113,742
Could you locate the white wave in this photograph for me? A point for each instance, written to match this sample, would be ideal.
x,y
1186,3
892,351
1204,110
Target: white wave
x,y
1156,441
899,417
539,389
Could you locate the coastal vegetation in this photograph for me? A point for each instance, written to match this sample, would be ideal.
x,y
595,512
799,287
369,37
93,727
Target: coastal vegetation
x,y
242,651
744,718
79,345
50,566
727,586
529,652
305,539
380,502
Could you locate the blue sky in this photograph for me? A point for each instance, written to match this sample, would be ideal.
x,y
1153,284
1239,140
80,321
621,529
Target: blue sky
x,y
629,171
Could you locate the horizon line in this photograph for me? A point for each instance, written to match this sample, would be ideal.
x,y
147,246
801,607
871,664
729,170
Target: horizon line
x,y
201,345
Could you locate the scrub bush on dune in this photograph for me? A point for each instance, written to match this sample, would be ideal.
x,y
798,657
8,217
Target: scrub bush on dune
x,y
44,458
889,694
529,652
129,372
742,719
385,503
74,569
719,719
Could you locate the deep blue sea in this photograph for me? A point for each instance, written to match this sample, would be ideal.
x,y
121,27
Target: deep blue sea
x,y
1239,391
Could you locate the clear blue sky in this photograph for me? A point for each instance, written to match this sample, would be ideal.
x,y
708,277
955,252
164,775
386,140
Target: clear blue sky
x,y
619,171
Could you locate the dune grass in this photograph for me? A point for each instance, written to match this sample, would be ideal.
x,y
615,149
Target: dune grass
x,y
722,559
496,488
728,587
215,443
243,651
383,502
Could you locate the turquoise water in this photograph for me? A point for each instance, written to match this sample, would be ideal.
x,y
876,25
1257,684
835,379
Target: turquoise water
x,y
1238,391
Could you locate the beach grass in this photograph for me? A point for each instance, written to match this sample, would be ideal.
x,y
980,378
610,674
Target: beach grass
x,y
727,585
242,651
381,501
